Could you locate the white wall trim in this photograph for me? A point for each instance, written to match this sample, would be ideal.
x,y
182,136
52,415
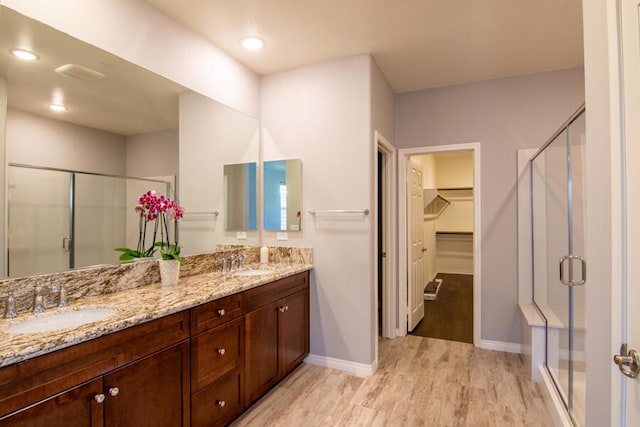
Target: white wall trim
x,y
390,231
555,406
403,154
359,369
507,347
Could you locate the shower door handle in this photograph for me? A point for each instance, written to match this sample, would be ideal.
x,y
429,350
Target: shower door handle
x,y
66,244
583,269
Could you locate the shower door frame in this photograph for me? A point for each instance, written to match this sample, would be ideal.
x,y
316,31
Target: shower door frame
x,y
567,400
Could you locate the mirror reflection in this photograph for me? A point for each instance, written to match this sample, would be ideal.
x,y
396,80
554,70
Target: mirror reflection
x,y
283,195
121,121
62,219
240,182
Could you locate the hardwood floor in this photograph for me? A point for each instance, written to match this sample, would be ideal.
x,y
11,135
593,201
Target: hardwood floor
x,y
450,315
419,382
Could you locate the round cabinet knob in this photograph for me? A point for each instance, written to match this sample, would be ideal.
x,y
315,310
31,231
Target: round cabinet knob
x,y
113,391
220,403
286,308
281,309
99,398
221,312
221,351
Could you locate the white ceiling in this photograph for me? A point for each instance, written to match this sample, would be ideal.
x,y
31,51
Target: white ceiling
x,y
418,44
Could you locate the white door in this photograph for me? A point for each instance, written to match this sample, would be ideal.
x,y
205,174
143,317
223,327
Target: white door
x,y
415,209
630,16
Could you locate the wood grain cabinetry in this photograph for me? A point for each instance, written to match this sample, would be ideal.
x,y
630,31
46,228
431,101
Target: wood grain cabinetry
x,y
81,381
199,367
217,361
277,332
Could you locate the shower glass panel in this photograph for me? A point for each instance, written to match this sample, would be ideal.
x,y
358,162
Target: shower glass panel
x,y
39,221
557,179
62,219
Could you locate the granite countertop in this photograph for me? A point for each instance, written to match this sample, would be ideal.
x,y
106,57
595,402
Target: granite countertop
x,y
134,306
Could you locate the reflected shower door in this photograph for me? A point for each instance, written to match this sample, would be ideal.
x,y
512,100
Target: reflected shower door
x,y
39,221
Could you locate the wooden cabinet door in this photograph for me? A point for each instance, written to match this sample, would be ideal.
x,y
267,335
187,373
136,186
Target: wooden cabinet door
x,y
153,391
261,350
73,408
294,331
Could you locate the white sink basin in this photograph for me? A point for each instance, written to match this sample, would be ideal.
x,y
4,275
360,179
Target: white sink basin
x,y
252,272
60,320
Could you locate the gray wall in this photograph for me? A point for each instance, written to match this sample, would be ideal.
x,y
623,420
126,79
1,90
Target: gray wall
x,y
323,115
504,115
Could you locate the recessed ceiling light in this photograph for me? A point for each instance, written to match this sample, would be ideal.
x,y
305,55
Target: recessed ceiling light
x,y
252,43
57,107
24,54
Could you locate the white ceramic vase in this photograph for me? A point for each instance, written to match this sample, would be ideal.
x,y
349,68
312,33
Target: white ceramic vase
x,y
169,271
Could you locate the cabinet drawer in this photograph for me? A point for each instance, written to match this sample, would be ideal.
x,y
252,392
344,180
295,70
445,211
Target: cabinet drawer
x,y
219,402
216,352
266,294
216,312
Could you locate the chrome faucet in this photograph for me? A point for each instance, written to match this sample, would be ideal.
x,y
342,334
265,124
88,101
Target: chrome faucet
x,y
232,259
223,267
40,291
38,298
62,296
10,307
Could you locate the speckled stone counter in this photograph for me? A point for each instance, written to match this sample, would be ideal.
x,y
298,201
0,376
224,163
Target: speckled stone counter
x,y
146,301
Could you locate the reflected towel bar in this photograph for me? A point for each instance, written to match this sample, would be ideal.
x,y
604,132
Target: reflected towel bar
x,y
340,211
199,216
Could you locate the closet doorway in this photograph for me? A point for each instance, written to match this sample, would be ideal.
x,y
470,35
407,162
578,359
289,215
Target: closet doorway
x,y
439,231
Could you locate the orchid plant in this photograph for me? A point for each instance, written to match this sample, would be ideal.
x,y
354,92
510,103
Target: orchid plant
x,y
158,210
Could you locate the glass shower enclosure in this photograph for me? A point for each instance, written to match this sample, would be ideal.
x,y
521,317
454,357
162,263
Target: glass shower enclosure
x,y
559,269
60,219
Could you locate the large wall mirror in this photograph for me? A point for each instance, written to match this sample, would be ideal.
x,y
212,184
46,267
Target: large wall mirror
x,y
125,130
283,195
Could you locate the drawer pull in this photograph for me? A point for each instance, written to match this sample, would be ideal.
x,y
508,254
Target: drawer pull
x,y
221,351
113,391
221,312
220,403
99,398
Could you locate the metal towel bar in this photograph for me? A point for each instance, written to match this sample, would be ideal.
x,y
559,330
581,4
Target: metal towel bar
x,y
340,211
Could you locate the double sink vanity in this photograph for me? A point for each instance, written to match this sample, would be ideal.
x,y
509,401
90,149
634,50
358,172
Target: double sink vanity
x,y
198,353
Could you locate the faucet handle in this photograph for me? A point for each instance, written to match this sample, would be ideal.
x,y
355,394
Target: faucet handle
x,y
241,258
232,258
223,263
10,307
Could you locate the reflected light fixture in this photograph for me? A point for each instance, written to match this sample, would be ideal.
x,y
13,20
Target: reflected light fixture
x,y
252,43
58,108
24,54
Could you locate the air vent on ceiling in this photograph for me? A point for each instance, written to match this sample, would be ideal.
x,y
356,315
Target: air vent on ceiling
x,y
79,72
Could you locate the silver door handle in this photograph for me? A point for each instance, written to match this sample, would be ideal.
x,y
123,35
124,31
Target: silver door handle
x,y
628,361
570,281
66,244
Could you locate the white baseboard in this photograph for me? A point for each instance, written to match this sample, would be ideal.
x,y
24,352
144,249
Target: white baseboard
x,y
359,369
507,347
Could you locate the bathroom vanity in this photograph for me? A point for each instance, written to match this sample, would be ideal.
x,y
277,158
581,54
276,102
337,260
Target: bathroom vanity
x,y
201,365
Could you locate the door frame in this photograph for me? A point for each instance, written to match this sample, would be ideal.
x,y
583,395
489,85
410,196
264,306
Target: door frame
x,y
389,239
403,155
